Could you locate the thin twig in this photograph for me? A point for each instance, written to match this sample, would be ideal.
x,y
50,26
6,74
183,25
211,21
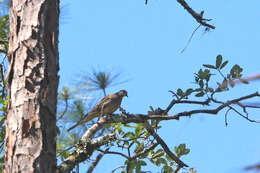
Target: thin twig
x,y
96,161
226,123
188,42
64,111
114,170
114,152
173,102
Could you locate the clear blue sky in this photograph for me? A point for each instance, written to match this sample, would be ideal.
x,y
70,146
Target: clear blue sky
x,y
144,42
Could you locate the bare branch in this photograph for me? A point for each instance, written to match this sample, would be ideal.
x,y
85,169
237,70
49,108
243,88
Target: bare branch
x,y
118,168
188,42
114,152
173,102
96,161
65,110
226,114
164,145
199,17
141,118
253,167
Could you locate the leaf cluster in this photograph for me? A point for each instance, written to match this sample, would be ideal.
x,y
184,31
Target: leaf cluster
x,y
203,80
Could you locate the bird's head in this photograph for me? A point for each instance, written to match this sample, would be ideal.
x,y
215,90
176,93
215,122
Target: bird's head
x,y
123,93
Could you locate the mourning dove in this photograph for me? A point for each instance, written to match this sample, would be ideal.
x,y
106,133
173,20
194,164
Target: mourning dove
x,y
107,105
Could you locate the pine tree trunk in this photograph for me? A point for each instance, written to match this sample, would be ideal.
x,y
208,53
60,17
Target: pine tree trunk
x,y
32,82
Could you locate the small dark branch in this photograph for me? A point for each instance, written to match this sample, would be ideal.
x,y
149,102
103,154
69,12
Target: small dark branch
x,y
61,152
243,116
114,170
226,114
3,80
174,94
128,149
243,107
199,17
164,145
114,152
96,161
146,2
222,74
253,167
177,169
188,42
127,140
145,151
173,102
65,110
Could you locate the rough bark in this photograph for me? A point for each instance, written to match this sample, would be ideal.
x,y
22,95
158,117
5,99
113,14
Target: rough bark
x,y
32,82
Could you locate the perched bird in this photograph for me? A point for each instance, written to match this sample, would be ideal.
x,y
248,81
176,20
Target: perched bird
x,y
106,106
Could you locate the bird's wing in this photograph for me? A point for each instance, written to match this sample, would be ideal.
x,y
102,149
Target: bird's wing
x,y
98,106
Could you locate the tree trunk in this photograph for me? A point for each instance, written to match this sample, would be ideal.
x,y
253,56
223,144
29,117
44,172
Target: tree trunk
x,y
32,82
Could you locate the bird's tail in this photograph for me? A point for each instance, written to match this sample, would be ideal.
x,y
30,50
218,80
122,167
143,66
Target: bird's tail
x,y
87,118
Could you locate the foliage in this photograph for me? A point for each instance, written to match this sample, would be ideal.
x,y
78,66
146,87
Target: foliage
x,y
134,142
4,33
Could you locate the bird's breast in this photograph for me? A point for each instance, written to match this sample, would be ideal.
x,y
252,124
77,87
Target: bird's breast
x,y
112,106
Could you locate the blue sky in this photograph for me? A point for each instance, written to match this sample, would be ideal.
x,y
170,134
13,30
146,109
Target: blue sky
x,y
145,43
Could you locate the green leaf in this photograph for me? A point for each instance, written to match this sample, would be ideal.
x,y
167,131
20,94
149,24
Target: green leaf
x,y
209,66
201,83
180,92
131,165
160,161
218,61
181,150
129,135
188,91
200,94
158,153
193,170
236,71
167,169
224,64
139,148
142,163
177,150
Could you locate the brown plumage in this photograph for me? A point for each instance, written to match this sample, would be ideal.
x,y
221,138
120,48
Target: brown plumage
x,y
108,105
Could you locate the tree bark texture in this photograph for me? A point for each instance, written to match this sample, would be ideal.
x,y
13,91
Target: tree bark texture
x,y
32,81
